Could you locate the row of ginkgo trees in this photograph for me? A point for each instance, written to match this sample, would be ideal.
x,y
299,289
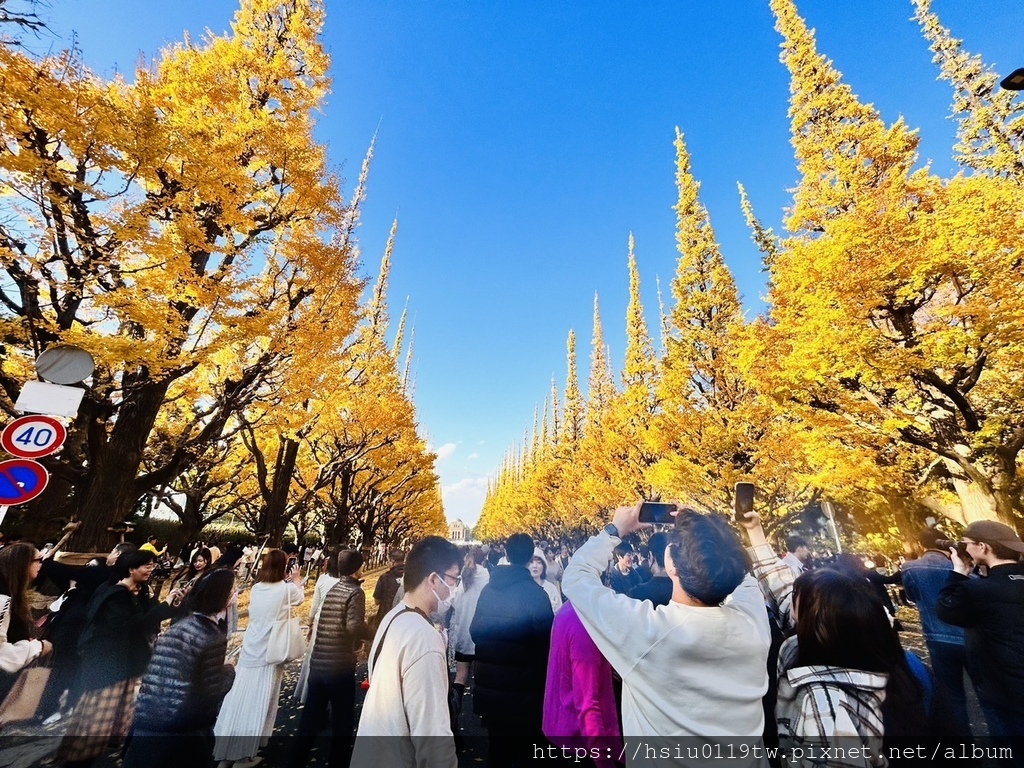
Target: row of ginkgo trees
x,y
885,374
186,229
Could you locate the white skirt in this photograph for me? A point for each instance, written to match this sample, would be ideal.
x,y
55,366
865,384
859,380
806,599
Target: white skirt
x,y
247,716
302,684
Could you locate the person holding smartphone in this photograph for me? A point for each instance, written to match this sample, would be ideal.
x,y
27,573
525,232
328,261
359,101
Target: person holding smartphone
x,y
843,676
246,720
697,666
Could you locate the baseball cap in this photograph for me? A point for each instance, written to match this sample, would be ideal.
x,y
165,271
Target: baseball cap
x,y
991,532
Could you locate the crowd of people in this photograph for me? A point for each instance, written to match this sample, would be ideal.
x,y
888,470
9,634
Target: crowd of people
x,y
699,635
689,632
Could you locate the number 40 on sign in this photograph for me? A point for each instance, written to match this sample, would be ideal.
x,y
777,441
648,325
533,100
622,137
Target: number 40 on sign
x,y
31,437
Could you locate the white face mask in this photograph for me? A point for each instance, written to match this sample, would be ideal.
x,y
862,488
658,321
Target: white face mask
x,y
448,602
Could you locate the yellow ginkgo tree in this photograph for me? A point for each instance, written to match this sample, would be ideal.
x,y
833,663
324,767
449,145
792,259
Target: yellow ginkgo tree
x,y
178,228
897,301
885,373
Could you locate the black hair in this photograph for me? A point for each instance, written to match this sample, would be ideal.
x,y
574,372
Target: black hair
x,y
519,549
332,564
191,572
841,622
430,555
349,561
129,561
657,544
493,556
929,538
850,564
794,542
622,549
211,593
708,556
229,559
543,566
122,547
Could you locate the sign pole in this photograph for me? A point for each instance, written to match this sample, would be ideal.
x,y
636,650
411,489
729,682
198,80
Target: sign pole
x,y
830,511
3,513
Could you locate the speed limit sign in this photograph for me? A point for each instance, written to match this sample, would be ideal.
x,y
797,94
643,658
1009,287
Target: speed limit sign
x,y
31,437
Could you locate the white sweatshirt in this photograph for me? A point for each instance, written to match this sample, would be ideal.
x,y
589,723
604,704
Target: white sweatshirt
x,y
14,656
408,698
686,671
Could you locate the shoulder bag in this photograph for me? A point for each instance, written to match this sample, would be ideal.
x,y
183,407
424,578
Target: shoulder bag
x,y
286,642
23,697
380,645
454,700
22,701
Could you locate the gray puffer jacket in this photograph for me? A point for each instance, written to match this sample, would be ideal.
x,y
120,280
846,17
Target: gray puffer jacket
x,y
341,627
187,678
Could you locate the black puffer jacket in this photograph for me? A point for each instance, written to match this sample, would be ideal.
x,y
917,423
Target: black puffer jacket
x,y
512,632
187,678
341,626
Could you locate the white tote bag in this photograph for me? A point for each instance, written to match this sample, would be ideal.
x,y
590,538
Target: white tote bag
x,y
286,642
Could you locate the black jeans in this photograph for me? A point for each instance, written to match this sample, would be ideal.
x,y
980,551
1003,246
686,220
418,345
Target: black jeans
x,y
513,746
147,749
1005,729
949,662
339,691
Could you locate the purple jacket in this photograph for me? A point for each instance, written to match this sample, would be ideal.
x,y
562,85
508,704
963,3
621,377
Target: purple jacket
x,y
579,703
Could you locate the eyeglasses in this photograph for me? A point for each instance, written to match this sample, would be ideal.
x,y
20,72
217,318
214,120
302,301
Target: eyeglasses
x,y
446,576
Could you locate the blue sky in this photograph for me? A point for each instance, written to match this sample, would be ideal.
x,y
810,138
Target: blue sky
x,y
520,144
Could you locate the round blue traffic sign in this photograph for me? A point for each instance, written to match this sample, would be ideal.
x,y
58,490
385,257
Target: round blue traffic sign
x,y
21,480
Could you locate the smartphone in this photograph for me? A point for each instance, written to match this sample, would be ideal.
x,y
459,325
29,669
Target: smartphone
x,y
293,563
742,501
657,512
